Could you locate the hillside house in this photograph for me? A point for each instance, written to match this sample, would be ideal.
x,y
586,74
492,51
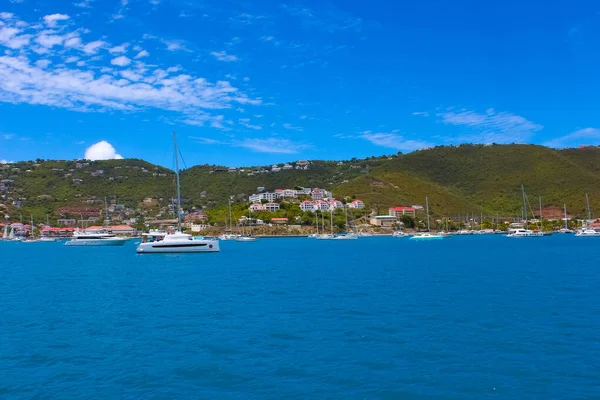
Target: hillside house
x,y
402,210
357,204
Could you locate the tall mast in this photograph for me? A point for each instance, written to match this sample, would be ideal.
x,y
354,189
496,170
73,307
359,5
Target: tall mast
x,y
566,226
587,200
177,175
427,208
230,218
541,218
524,205
32,226
106,211
331,219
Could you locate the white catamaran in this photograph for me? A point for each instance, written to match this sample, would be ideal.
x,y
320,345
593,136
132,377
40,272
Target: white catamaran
x,y
524,232
178,242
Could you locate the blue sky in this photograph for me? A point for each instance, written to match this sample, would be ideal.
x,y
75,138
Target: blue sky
x,y
259,82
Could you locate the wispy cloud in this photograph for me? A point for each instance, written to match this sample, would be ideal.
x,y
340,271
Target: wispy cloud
x,y
223,56
205,140
142,54
83,4
68,83
272,145
394,141
421,113
327,18
293,128
53,19
490,126
581,137
8,136
246,123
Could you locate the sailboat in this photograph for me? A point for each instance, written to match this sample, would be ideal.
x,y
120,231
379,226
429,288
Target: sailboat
x,y
586,231
327,236
100,237
244,237
32,238
566,228
345,235
427,235
5,235
230,235
524,232
179,242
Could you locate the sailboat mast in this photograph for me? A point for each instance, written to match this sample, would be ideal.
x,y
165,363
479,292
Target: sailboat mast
x,y
177,176
331,219
427,208
106,211
587,200
524,205
566,226
32,226
541,218
230,217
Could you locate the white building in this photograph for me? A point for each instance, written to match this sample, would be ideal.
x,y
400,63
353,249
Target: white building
x,y
289,193
318,194
287,166
335,204
307,205
357,204
256,198
322,205
272,207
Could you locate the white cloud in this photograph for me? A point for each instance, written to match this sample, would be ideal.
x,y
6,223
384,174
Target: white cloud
x,y
223,56
9,37
142,54
582,137
43,63
175,45
121,61
122,48
53,19
246,123
93,47
272,145
293,128
102,151
421,113
6,162
154,2
205,140
393,141
83,4
490,127
69,83
8,136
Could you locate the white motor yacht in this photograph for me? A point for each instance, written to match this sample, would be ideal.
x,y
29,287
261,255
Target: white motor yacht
x,y
100,238
427,236
587,232
229,236
522,232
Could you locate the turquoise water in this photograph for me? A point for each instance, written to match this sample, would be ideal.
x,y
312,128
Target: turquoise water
x,y
376,318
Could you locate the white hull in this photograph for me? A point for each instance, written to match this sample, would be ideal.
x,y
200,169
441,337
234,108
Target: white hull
x,y
427,236
96,242
588,233
245,239
179,246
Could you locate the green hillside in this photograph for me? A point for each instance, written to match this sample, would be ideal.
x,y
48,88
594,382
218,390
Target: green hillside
x,y
461,179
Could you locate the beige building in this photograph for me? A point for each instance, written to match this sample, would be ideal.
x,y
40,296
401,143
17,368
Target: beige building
x,y
384,221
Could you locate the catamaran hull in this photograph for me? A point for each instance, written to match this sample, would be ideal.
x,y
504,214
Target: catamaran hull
x,y
197,246
96,242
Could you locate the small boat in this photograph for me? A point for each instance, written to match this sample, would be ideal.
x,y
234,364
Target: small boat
x,y
246,239
485,232
427,236
365,234
587,232
177,242
400,234
229,236
464,232
565,230
345,236
47,239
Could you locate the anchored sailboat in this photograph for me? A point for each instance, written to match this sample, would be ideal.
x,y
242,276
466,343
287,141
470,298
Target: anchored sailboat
x,y
428,235
178,242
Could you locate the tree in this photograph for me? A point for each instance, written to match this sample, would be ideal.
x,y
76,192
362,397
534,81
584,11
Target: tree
x,y
407,221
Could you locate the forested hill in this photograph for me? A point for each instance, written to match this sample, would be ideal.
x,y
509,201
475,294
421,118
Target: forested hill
x,y
466,178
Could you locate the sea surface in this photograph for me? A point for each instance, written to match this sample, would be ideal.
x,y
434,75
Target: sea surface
x,y
481,317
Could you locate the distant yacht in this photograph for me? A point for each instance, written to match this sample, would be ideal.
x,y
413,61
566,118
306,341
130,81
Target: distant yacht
x,y
97,238
400,234
178,242
427,235
587,232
